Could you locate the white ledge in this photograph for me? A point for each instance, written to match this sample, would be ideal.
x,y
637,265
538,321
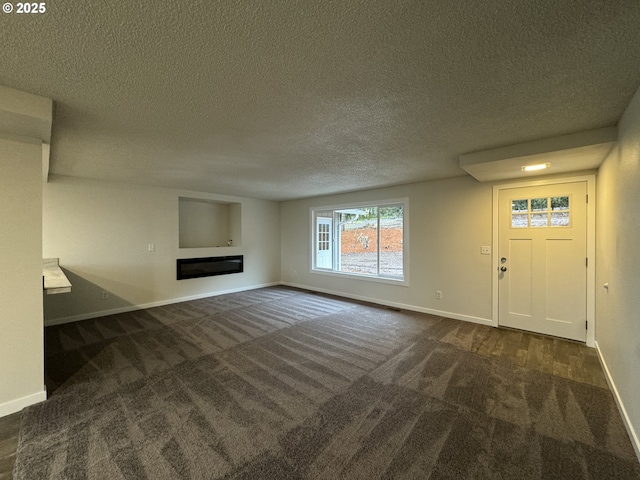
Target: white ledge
x,y
54,279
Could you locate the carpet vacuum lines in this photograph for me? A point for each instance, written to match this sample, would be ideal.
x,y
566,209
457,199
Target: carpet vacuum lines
x,y
280,383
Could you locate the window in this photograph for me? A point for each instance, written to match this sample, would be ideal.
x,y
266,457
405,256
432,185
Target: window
x,y
365,240
540,212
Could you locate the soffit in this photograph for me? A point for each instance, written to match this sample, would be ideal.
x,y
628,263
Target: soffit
x,y
567,153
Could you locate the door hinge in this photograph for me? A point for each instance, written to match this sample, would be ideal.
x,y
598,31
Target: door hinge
x,y
587,261
586,324
587,198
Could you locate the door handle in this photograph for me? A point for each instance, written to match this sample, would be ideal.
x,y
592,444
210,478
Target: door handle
x,y
503,268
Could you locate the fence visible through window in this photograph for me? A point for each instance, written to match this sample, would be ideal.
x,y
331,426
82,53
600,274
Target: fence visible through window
x,y
540,212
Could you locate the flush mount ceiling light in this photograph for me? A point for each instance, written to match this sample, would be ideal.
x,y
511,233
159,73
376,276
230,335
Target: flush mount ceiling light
x,y
533,168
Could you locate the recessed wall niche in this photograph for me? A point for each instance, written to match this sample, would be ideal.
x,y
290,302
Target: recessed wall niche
x,y
208,223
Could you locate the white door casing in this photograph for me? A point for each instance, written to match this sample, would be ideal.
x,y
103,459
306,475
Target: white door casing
x,y
546,286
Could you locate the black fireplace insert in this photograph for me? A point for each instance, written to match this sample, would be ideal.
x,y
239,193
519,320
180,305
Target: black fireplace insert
x,y
209,266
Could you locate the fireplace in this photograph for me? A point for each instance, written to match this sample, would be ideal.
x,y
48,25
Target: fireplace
x,y
209,266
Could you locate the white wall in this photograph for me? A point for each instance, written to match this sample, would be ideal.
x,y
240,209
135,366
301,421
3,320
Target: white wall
x,y
449,220
618,264
21,330
101,231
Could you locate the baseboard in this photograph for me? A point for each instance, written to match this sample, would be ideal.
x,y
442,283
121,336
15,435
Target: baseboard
x,y
404,306
133,308
623,411
18,404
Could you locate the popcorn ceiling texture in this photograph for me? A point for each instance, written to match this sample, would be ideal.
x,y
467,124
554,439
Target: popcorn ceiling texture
x,y
284,99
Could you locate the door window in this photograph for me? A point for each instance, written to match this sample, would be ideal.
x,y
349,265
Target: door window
x,y
323,236
540,212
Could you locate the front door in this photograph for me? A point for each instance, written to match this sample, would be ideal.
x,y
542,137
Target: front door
x,y
542,259
324,242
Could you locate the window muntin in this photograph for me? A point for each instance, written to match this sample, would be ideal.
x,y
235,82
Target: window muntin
x,y
364,240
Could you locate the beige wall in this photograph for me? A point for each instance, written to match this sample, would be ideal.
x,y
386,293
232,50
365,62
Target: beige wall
x,y
449,220
101,232
618,264
21,330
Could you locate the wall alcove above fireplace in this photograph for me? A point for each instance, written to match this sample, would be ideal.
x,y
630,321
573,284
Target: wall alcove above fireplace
x,y
208,223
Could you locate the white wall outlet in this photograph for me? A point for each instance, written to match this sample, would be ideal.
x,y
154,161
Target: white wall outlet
x,y
151,247
438,295
105,294
485,250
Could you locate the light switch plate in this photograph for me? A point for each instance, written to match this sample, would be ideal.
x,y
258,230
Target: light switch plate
x,y
485,250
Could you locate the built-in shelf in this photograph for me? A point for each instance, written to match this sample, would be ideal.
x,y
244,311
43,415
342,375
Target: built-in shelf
x,y
208,223
54,279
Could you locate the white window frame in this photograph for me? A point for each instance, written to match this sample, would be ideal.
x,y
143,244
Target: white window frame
x,y
368,277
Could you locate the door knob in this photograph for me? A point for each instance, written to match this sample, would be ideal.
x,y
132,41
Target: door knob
x,y
503,268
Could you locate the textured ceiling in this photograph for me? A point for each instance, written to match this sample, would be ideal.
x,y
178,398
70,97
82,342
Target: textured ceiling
x,y
282,99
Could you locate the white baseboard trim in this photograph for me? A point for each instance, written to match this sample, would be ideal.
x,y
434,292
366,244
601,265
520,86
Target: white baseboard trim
x,y
404,306
623,411
18,404
133,308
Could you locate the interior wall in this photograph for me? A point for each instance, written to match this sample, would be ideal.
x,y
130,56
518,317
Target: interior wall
x,y
618,265
101,232
21,330
449,220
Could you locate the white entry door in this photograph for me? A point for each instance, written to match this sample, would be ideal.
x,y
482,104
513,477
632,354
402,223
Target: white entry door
x,y
324,242
542,259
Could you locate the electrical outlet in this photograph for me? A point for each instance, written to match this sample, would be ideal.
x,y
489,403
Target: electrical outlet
x,y
485,250
105,294
438,295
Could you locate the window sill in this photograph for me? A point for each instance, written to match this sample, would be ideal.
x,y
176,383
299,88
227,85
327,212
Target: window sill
x,y
354,276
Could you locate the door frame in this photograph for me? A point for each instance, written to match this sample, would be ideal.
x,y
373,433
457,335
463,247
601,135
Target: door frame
x,y
591,244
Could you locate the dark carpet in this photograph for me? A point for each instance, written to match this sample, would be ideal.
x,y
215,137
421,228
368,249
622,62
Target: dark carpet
x,y
280,383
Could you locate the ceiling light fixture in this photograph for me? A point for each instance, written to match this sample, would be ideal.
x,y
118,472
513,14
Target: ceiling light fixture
x,y
533,168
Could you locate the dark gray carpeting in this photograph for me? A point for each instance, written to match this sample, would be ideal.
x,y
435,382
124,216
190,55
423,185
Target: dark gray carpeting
x,y
279,383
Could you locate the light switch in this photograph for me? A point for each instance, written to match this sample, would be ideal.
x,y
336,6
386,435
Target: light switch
x,y
485,250
152,247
